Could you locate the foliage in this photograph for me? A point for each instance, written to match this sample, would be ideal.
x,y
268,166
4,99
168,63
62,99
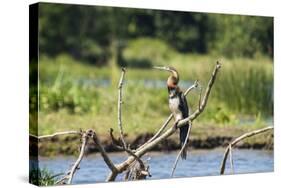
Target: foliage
x,y
88,33
149,50
41,177
83,94
241,35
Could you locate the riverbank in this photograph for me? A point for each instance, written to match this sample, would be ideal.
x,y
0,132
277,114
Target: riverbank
x,y
202,137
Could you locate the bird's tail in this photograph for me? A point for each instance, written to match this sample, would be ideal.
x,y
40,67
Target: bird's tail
x,y
183,135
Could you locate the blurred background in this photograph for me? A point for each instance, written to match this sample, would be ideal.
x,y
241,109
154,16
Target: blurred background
x,y
83,47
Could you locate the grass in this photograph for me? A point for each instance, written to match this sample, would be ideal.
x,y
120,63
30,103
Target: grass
x,y
41,177
76,95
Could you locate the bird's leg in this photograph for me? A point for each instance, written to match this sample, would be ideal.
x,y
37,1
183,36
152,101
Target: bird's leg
x,y
175,126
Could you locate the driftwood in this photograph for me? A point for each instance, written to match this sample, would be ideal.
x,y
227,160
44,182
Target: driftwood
x,y
228,150
134,167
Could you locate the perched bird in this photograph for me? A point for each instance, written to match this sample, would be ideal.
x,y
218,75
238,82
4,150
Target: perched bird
x,y
177,104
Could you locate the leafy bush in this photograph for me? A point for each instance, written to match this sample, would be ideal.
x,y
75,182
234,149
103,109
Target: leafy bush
x,y
145,52
240,36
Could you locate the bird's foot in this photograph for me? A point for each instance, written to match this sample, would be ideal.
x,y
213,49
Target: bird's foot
x,y
175,126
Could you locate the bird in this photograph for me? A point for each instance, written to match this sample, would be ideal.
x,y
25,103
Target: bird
x,y
177,104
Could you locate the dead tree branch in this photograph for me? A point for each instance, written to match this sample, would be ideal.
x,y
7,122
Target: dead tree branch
x,y
69,175
231,159
116,142
148,146
120,124
55,134
81,155
106,158
120,108
182,148
240,138
134,156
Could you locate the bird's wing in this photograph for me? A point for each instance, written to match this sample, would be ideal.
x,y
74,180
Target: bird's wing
x,y
183,106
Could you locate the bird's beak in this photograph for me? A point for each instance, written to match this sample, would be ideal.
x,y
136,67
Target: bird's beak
x,y
162,68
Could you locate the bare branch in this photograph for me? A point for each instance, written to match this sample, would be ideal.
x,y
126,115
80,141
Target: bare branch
x,y
115,143
195,85
120,107
200,97
182,148
142,150
160,130
112,176
54,134
134,155
106,159
76,164
62,180
240,138
231,159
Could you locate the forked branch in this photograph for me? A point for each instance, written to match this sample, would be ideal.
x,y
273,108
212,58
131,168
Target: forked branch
x,y
69,175
134,156
81,155
104,155
237,140
142,150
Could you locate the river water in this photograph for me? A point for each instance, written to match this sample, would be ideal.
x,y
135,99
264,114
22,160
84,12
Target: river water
x,y
198,163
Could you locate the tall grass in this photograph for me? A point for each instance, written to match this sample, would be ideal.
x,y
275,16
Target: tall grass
x,y
244,88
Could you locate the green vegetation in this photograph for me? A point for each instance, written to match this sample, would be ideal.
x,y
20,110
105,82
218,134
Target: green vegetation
x,y
89,32
75,95
83,47
41,177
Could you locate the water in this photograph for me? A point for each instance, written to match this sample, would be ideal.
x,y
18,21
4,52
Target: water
x,y
198,163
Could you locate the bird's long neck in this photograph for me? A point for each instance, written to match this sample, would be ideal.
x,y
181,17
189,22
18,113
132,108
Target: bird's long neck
x,y
172,85
175,75
173,81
